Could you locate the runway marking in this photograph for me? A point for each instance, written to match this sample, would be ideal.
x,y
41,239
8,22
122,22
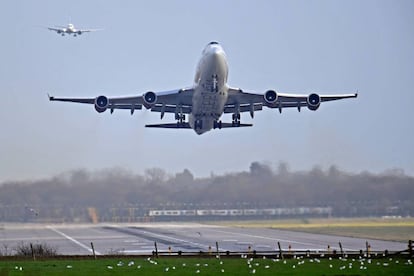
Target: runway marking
x,y
140,243
72,240
134,240
244,243
263,246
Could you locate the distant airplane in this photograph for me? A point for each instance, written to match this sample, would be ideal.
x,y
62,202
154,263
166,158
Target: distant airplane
x,y
207,99
70,29
31,210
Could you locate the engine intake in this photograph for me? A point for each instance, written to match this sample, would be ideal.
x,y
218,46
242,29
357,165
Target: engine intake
x,y
313,101
101,103
270,97
150,98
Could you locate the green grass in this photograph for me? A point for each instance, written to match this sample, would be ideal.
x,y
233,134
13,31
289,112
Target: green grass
x,y
209,266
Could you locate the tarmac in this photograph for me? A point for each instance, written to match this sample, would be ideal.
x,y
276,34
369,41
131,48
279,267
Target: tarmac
x,y
140,238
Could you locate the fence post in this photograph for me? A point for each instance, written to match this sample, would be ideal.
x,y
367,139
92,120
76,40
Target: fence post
x,y
410,248
156,249
280,250
217,250
368,248
340,247
93,251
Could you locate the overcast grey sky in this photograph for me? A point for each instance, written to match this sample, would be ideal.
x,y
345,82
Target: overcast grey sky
x,y
289,46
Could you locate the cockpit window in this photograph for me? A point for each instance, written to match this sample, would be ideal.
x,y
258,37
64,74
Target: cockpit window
x,y
211,45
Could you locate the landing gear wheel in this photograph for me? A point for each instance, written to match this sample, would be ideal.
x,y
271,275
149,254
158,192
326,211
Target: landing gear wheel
x,y
217,124
236,119
180,119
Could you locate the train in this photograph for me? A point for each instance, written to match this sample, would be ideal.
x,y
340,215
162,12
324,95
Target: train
x,y
297,211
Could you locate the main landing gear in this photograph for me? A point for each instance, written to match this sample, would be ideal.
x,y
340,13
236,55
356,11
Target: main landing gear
x,y
236,119
217,124
180,119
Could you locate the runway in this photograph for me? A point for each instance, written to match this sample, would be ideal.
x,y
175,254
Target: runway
x,y
139,238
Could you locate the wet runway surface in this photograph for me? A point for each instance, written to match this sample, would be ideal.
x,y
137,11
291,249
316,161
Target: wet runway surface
x,y
139,238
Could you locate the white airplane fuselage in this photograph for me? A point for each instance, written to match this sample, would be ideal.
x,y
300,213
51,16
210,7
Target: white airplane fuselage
x,y
210,91
70,29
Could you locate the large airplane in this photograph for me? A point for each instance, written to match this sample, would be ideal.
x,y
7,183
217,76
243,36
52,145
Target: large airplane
x,y
207,100
70,29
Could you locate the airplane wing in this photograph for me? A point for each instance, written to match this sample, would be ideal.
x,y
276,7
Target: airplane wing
x,y
59,30
173,101
89,30
241,101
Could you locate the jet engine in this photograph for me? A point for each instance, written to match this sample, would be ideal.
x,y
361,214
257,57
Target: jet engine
x,y
101,103
313,101
270,97
79,32
150,98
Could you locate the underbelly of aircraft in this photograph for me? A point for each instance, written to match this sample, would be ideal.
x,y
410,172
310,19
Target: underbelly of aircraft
x,y
207,109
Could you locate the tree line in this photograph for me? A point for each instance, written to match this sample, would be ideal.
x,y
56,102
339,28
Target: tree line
x,y
349,194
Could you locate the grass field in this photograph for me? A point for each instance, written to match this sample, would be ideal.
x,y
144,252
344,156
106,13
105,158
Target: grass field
x,y
371,228
209,266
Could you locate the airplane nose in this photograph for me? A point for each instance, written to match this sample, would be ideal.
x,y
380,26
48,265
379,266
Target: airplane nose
x,y
217,53
217,50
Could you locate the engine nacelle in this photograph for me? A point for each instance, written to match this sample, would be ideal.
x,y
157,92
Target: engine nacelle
x,y
313,101
270,97
150,98
101,103
79,32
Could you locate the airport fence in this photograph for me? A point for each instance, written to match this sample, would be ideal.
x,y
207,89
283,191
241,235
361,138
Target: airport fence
x,y
290,253
277,253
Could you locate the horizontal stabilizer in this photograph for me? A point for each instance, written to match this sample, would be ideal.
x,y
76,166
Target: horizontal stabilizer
x,y
227,125
170,125
187,125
